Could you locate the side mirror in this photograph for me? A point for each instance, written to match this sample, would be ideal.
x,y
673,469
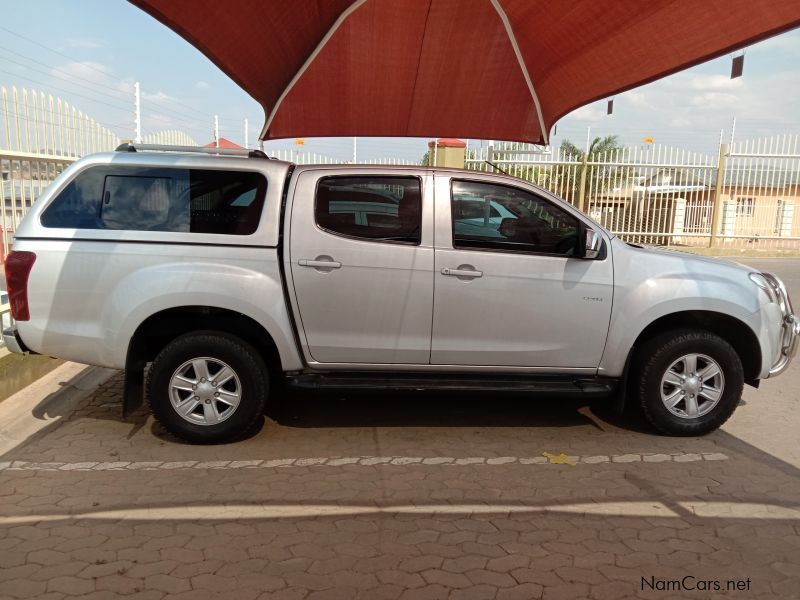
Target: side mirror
x,y
593,243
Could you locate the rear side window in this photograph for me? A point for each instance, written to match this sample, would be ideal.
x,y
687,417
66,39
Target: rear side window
x,y
381,209
157,199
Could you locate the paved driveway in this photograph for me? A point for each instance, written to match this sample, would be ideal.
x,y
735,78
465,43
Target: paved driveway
x,y
398,496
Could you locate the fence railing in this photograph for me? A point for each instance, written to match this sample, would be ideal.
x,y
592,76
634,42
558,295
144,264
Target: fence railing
x,y
39,137
744,196
669,196
301,157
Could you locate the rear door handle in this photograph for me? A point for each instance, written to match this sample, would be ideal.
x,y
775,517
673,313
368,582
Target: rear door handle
x,y
462,272
320,264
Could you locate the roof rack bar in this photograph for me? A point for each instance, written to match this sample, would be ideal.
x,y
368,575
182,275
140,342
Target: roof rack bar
x,y
129,147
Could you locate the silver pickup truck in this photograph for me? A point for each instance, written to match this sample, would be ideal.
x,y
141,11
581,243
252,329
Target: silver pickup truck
x,y
220,277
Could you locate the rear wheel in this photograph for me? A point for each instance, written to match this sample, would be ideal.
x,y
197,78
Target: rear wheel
x,y
689,381
207,387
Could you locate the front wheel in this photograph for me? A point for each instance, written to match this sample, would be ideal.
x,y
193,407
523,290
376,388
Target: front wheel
x,y
207,387
689,381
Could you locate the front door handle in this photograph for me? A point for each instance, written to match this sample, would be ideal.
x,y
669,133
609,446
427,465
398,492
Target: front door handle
x,y
322,263
463,271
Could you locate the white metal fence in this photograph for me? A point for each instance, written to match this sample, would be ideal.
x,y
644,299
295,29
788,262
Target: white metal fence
x,y
39,137
649,194
761,194
665,195
301,157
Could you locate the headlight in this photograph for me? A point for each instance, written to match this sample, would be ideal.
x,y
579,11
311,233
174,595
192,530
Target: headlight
x,y
765,285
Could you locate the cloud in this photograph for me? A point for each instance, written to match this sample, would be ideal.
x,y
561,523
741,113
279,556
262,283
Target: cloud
x,y
680,121
715,100
92,72
715,82
638,99
84,43
158,97
84,68
785,43
201,85
588,113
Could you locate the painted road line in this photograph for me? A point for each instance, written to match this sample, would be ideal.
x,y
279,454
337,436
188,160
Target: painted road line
x,y
363,461
260,511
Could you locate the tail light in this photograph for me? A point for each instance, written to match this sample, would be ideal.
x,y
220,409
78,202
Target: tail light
x,y
18,268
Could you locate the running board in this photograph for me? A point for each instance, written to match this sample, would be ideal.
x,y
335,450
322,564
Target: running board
x,y
501,382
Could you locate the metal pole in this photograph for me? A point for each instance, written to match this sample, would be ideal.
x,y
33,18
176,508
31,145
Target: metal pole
x,y
584,169
137,113
355,149
716,219
246,135
216,131
582,189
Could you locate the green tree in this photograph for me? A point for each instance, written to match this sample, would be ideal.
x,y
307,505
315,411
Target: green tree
x,y
600,149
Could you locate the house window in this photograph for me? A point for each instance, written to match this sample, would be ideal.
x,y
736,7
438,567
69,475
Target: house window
x,y
744,206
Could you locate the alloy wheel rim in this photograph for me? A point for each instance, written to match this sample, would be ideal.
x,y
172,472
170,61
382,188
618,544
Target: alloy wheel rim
x,y
205,391
692,386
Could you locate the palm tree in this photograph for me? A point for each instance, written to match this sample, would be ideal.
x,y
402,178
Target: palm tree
x,y
600,149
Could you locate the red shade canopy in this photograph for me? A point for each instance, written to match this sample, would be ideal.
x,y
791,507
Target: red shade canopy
x,y
490,69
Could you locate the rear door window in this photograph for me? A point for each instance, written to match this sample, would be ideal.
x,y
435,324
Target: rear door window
x,y
156,199
375,208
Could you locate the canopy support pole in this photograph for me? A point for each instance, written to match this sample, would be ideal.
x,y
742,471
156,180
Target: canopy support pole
x,y
521,60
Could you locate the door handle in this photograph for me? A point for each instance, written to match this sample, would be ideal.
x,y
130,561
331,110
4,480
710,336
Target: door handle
x,y
319,264
470,273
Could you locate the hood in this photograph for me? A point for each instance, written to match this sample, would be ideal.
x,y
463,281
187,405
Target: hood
x,y
685,255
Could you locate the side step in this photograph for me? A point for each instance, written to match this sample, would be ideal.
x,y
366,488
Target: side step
x,y
501,382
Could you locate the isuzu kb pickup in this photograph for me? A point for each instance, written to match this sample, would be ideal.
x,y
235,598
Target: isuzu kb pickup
x,y
221,276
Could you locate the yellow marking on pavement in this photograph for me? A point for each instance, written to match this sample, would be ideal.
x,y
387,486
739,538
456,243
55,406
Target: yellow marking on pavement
x,y
559,459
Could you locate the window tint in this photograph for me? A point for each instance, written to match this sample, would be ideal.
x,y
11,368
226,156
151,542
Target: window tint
x,y
387,209
152,199
498,217
467,208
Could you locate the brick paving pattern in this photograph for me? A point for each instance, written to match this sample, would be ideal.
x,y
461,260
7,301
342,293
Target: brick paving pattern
x,y
316,505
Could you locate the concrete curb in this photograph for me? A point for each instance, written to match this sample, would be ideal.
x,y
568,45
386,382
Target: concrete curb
x,y
38,405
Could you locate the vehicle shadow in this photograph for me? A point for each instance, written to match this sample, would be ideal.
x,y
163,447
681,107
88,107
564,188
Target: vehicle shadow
x,y
429,409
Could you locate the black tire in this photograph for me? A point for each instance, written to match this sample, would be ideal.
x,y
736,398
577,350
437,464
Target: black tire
x,y
252,384
653,359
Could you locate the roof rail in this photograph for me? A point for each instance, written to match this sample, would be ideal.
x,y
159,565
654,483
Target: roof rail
x,y
132,147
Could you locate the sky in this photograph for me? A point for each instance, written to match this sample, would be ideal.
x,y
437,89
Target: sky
x,y
90,52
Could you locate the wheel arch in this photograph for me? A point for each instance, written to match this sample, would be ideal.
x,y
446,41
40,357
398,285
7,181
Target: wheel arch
x,y
734,331
160,328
